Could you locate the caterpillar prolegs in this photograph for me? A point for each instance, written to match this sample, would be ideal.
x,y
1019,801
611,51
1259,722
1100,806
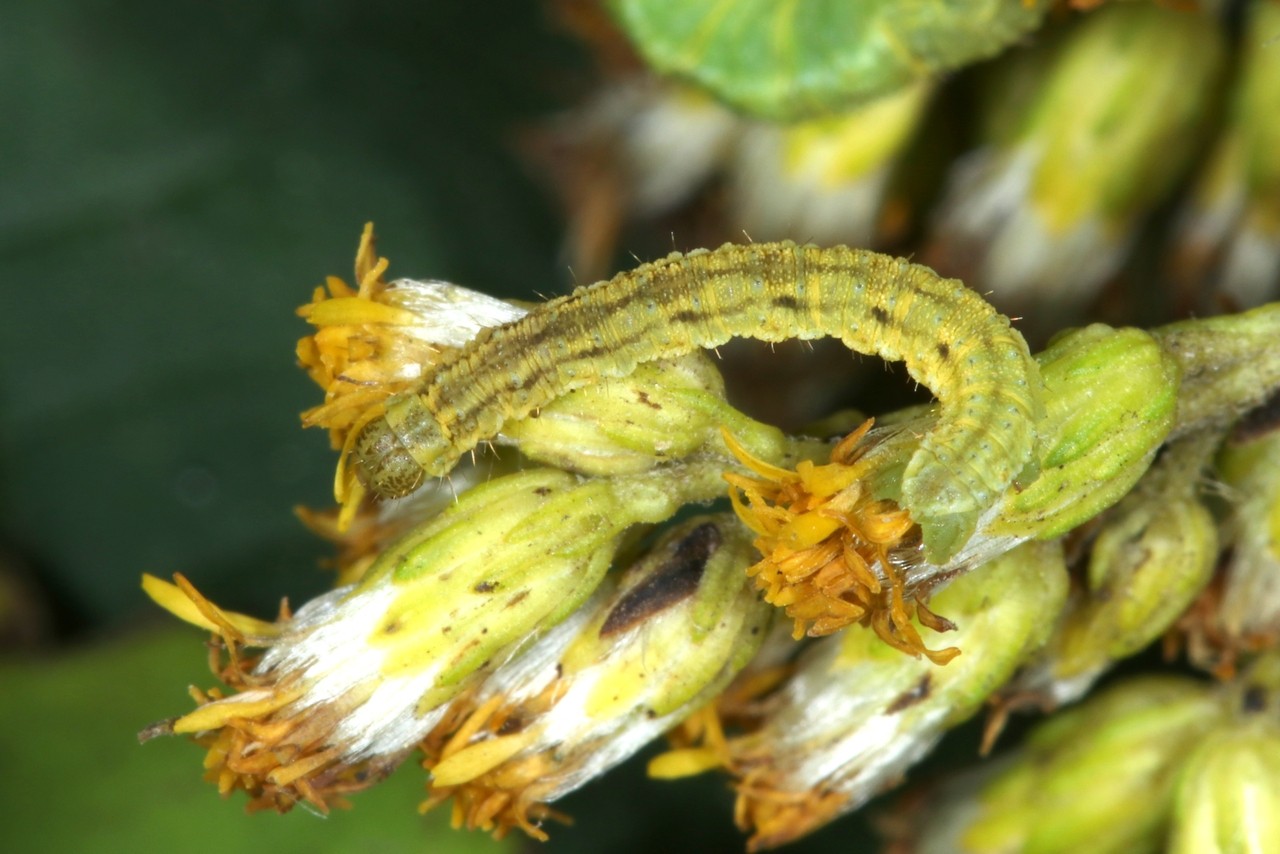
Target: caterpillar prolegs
x,y
951,340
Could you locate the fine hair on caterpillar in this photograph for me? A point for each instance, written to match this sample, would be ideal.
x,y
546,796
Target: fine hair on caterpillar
x,y
949,338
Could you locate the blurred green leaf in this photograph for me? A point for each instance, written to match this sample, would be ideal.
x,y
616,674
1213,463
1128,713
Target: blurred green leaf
x,y
79,780
174,180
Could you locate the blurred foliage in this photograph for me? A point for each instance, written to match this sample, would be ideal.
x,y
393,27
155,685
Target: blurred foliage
x,y
81,782
175,180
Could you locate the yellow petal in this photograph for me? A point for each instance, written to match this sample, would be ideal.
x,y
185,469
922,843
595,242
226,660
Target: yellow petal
x,y
176,601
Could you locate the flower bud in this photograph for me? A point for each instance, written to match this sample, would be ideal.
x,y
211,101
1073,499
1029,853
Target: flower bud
x,y
855,714
662,411
1155,552
1109,403
1228,797
1229,365
680,623
1098,777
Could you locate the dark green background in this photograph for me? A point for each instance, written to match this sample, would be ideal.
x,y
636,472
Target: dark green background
x,y
174,179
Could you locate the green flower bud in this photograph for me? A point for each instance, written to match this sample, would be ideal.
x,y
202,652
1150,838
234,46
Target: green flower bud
x,y
1230,364
663,411
1228,798
1109,403
1098,777
1155,552
510,557
678,626
823,180
856,713
1228,795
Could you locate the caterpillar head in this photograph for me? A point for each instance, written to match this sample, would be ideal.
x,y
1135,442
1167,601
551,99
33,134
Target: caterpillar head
x,y
394,453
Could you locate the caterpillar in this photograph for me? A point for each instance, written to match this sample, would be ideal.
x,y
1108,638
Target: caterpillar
x,y
796,60
951,340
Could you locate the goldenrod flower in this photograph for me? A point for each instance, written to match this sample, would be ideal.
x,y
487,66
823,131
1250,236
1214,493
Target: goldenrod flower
x,y
830,553
348,685
631,664
378,339
855,715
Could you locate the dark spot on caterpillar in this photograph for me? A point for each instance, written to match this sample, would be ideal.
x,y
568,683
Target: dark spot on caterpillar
x,y
392,627
686,315
786,301
542,490
485,587
644,398
675,579
944,351
915,694
517,599
880,314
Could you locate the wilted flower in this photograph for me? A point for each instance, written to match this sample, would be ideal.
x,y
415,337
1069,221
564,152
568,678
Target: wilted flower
x,y
822,538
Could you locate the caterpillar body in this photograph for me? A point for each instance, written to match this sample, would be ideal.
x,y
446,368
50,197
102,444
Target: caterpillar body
x,y
951,340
